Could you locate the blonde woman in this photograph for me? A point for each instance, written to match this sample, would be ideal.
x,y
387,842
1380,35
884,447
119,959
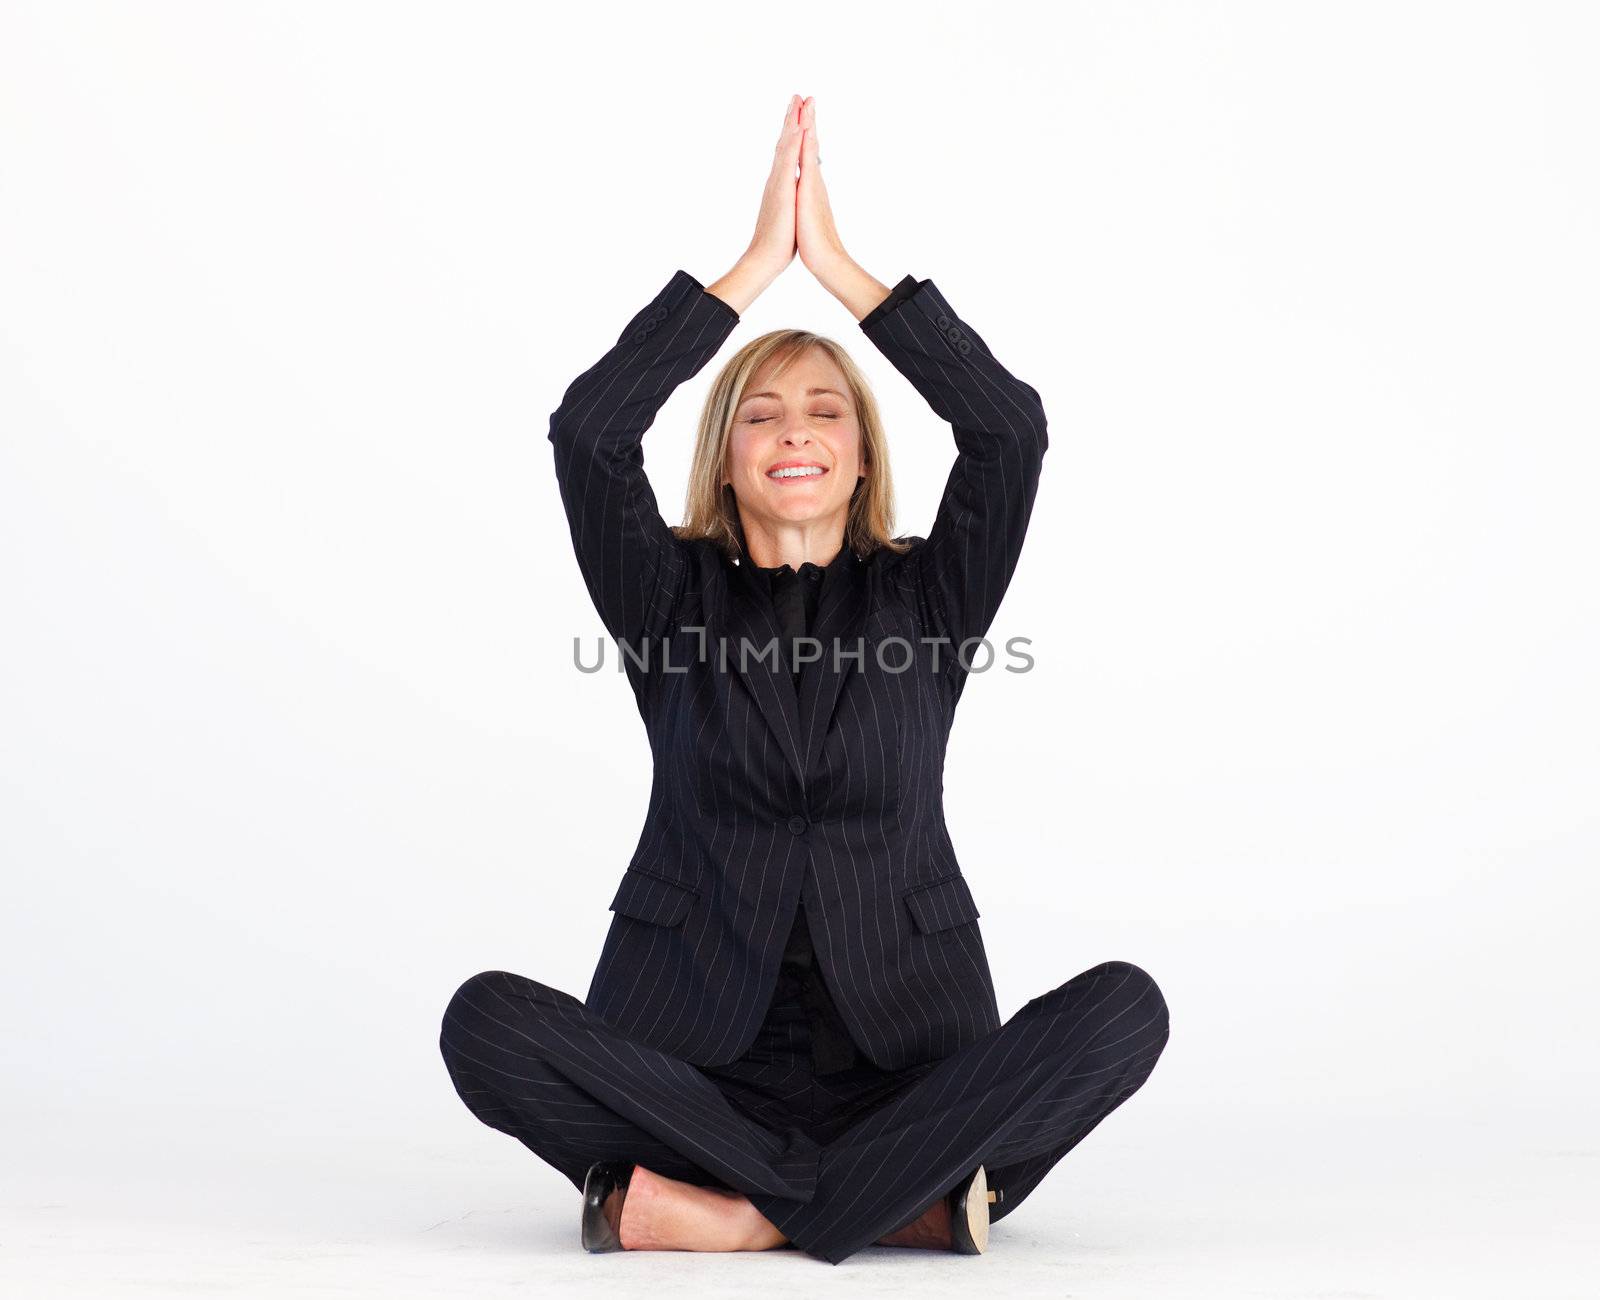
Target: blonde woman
x,y
791,1036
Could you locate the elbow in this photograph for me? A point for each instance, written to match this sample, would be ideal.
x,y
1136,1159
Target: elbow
x,y
1039,429
1037,422
564,432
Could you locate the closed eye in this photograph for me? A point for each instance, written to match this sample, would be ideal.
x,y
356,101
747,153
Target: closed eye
x,y
820,415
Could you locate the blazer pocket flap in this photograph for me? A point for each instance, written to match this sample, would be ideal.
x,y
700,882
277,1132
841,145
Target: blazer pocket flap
x,y
943,904
652,899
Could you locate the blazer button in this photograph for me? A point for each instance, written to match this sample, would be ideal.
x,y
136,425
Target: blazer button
x,y
797,824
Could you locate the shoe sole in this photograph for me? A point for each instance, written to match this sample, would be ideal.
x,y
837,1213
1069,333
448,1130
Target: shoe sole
x,y
978,1210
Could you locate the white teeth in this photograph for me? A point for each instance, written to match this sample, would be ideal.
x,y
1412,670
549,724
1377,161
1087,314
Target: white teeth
x,y
798,471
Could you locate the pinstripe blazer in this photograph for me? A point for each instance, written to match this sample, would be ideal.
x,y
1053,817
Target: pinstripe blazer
x,y
762,793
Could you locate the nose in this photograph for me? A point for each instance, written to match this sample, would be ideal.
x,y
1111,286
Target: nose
x,y
796,435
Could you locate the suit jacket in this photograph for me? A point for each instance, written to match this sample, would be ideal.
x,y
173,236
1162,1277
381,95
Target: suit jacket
x,y
762,793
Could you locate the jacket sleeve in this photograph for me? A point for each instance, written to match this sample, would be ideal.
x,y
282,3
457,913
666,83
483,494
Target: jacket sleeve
x,y
632,563
963,567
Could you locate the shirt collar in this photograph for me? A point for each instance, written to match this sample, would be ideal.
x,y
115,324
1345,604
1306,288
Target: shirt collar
x,y
816,572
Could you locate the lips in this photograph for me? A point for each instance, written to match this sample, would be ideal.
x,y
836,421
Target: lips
x,y
796,471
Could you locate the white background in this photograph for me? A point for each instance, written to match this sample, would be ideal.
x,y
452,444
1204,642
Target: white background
x,y
290,739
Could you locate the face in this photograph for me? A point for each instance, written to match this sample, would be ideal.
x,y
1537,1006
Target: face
x,y
794,452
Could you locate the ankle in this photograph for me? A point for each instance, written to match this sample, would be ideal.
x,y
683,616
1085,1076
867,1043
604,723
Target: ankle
x,y
730,1222
931,1230
759,1232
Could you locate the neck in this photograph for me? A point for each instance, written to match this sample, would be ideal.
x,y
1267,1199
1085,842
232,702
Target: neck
x,y
769,546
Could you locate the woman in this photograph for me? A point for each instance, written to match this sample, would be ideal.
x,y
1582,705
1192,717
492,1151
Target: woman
x,y
792,1035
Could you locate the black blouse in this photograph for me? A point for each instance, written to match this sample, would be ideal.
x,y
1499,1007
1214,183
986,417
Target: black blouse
x,y
794,598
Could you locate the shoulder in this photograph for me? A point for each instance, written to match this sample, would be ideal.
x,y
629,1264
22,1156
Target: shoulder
x,y
893,571
887,560
706,562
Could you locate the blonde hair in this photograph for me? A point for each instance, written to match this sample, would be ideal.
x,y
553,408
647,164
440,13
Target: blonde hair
x,y
712,512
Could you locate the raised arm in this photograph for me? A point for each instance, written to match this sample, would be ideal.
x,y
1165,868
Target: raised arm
x,y
631,562
963,567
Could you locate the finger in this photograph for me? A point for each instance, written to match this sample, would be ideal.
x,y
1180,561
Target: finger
x,y
789,137
786,156
795,133
810,152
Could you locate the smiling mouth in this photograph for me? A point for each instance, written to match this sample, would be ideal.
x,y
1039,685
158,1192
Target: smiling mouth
x,y
796,471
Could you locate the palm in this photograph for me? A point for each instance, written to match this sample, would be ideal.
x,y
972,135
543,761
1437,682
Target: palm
x,y
774,240
816,236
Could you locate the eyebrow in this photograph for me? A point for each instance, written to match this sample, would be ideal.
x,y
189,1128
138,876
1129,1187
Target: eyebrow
x,y
810,392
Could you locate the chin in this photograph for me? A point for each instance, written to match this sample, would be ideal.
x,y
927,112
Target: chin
x,y
807,512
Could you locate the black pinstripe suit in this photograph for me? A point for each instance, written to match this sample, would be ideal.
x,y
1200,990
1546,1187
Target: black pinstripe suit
x,y
679,1057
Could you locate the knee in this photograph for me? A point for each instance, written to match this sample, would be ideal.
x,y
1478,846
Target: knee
x,y
485,987
1137,987
1117,988
496,1004
465,1013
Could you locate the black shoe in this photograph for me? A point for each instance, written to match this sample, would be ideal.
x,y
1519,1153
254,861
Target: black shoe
x,y
605,1187
969,1214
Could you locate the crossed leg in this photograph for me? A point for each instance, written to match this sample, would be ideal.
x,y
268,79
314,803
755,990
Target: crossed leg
x,y
533,1062
1015,1101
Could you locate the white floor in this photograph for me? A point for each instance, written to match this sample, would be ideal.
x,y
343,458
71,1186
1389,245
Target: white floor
x,y
1161,1203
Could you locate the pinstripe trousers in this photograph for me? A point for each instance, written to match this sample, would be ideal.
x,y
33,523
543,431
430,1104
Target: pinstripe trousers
x,y
835,1161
